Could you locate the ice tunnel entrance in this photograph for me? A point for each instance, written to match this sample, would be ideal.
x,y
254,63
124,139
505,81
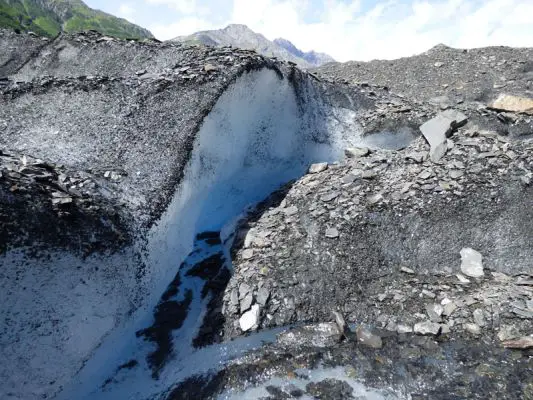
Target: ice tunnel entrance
x,y
261,134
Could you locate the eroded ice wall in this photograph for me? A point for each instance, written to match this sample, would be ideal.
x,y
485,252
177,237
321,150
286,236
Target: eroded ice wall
x,y
261,134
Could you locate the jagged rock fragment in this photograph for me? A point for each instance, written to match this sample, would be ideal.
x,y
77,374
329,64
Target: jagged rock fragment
x,y
340,321
427,328
353,152
474,329
404,328
317,335
330,389
471,263
210,68
250,319
506,102
367,338
319,167
247,254
434,312
437,130
262,296
523,343
332,233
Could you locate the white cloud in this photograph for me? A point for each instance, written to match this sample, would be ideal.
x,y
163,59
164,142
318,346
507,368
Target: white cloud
x,y
390,29
126,11
184,26
182,6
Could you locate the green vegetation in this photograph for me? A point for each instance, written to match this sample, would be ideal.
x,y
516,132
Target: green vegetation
x,y
50,17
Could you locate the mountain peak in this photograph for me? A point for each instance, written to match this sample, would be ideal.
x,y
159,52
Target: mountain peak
x,y
240,35
237,27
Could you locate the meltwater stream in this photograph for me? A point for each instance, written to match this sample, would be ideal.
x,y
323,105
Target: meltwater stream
x,y
261,134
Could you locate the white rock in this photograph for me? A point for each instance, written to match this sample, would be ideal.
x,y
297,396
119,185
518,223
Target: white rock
x,y
292,210
479,317
404,329
407,270
367,338
462,278
472,263
316,168
332,233
250,319
427,328
473,329
434,312
352,152
449,308
247,254
250,237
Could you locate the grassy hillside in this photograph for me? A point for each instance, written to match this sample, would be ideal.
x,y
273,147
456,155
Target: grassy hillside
x,y
49,17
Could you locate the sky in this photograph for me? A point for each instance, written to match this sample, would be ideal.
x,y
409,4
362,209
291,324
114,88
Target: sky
x,y
345,29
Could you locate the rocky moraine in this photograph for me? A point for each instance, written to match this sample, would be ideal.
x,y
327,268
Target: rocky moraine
x,y
183,222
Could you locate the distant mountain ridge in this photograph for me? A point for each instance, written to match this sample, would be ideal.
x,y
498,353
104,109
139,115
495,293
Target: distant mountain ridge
x,y
50,17
241,36
312,57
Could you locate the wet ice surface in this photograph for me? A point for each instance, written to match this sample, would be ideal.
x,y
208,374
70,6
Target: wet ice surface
x,y
165,355
389,140
300,383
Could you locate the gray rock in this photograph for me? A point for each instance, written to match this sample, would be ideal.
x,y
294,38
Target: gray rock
x,y
348,178
404,329
434,312
455,173
340,321
329,196
471,263
244,289
368,175
292,210
437,130
317,168
417,156
462,279
246,302
330,389
508,332
262,296
353,152
479,317
234,298
473,329
427,328
449,308
367,338
374,199
407,270
522,343
247,254
457,118
317,335
210,68
426,174
332,233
